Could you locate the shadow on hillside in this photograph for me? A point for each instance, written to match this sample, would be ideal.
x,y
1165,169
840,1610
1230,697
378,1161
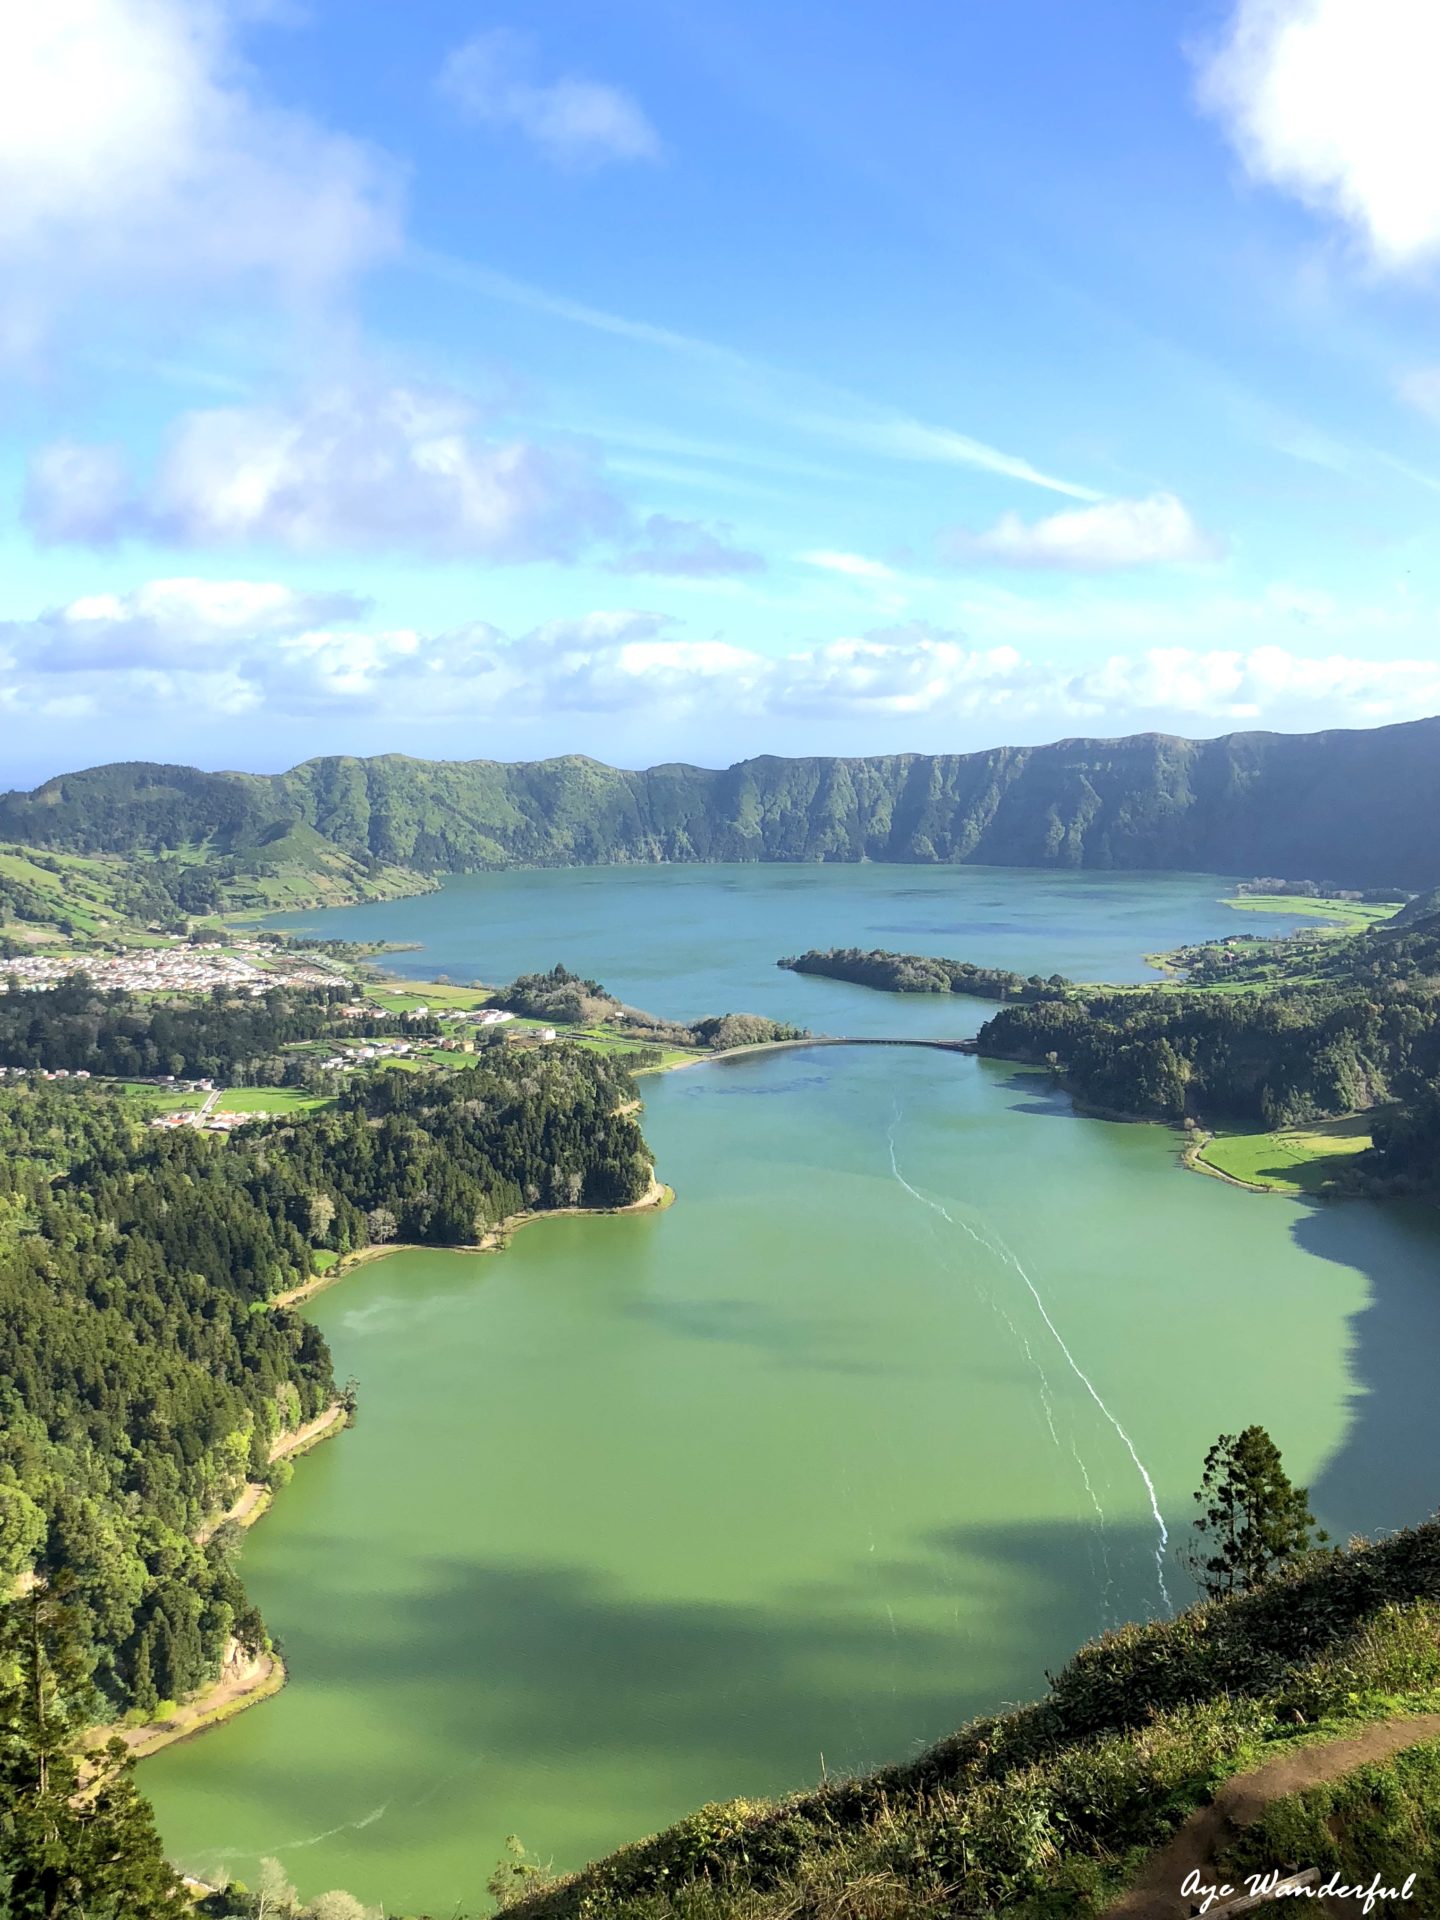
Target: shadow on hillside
x,y
1387,1471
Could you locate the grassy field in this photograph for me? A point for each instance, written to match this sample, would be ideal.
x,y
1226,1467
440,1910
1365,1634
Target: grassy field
x,y
161,1098
1352,915
82,894
427,993
1296,1160
267,1100
322,1259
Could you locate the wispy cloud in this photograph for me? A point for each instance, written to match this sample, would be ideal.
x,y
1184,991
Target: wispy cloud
x,y
575,121
855,566
767,391
902,439
687,549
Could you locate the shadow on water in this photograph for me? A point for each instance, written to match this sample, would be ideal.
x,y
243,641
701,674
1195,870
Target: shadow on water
x,y
1387,1471
552,1666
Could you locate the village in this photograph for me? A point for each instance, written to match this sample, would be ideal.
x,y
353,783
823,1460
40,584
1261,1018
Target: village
x,y
177,968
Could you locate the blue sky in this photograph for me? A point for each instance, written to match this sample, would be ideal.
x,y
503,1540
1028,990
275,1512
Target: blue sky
x,y
661,382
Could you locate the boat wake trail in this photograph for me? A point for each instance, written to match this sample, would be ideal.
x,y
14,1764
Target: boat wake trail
x,y
1003,1253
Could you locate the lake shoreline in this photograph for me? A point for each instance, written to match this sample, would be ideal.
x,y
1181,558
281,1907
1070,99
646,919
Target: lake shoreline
x,y
240,1683
655,1200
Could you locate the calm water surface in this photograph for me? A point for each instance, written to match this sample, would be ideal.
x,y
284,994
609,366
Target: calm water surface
x,y
891,1409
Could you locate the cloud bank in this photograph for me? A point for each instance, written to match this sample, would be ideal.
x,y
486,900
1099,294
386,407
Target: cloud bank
x,y
255,648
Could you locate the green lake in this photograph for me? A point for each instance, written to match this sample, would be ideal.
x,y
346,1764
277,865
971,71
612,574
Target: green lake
x,y
889,1411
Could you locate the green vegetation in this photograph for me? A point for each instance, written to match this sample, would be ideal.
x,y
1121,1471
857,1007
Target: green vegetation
x,y
1322,1029
65,1854
1354,804
1048,1812
141,1384
916,973
1348,914
52,899
1252,1519
563,997
1292,1160
270,1100
217,1037
1380,1822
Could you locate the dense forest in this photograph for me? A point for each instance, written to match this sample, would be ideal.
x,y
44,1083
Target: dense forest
x,y
921,973
1276,1033
142,1377
1352,809
82,1027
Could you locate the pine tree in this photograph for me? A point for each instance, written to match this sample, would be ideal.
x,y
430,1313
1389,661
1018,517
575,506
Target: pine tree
x,y
142,1684
1253,1518
69,1850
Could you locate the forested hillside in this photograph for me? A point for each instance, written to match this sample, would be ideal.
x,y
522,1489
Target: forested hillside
x,y
143,1374
79,1026
1267,1033
1350,808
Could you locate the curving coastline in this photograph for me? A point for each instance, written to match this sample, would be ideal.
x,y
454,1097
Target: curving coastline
x,y
246,1681
657,1197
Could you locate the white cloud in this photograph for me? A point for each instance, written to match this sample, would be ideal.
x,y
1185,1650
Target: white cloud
x,y
1110,535
688,549
574,121
238,647
172,623
1224,685
137,157
855,565
1334,102
388,469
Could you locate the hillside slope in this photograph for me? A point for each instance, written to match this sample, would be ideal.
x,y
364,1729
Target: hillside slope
x,y
1054,1810
1353,808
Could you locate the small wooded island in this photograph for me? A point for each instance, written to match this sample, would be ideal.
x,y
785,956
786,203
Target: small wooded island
x,y
924,973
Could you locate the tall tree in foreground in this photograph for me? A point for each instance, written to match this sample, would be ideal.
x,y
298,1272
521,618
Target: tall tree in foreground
x,y
1252,1517
67,1851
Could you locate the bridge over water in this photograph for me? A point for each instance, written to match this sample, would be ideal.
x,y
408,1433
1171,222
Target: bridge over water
x,y
846,1040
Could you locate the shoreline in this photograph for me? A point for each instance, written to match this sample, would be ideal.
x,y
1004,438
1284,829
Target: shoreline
x,y
241,1682
655,1200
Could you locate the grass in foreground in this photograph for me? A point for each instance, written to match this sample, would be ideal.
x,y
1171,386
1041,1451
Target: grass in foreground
x,y
1295,1160
1381,1820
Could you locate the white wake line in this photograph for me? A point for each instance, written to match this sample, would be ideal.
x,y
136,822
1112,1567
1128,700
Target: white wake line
x,y
1074,1365
1089,1386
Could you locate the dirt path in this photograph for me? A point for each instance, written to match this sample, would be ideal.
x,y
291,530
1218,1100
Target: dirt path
x,y
254,1497
1241,1801
303,1438
243,1678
